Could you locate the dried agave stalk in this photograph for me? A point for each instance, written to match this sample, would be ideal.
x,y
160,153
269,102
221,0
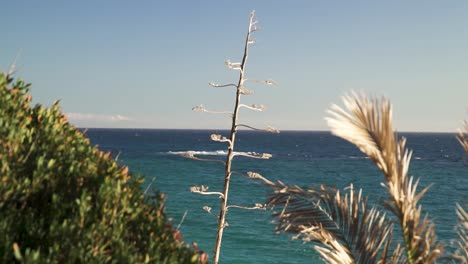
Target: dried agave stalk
x,y
344,228
240,91
367,123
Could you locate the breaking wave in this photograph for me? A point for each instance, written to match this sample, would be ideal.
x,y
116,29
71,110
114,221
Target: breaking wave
x,y
208,153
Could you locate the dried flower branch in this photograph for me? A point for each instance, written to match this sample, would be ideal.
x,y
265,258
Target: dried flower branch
x,y
197,188
257,206
201,108
191,155
207,209
268,129
254,107
255,175
233,65
244,91
219,138
254,156
254,28
221,85
204,190
265,82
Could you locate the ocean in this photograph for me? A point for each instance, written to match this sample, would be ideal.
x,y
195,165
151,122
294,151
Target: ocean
x,y
299,158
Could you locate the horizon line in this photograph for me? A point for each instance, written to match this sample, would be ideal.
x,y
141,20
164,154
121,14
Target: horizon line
x,y
244,129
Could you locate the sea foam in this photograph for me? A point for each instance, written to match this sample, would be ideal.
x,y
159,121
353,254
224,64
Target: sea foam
x,y
208,153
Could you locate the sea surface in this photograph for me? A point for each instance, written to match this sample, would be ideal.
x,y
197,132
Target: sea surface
x,y
299,158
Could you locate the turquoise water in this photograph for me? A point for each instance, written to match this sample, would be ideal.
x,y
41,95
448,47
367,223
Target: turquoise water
x,y
301,158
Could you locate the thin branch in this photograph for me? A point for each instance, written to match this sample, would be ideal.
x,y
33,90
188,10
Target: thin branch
x,y
255,175
201,108
265,82
219,138
12,68
203,190
268,129
118,155
256,207
182,220
222,85
149,185
207,209
253,107
190,155
254,156
233,65
244,91
254,28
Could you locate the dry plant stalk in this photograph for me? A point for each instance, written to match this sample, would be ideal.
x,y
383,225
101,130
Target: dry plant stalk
x,y
240,90
367,123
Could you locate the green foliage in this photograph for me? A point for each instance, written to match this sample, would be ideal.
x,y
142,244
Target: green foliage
x,y
65,201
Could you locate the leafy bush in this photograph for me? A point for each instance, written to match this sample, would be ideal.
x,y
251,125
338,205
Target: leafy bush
x,y
65,201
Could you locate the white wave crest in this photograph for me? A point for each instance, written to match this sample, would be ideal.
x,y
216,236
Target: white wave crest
x,y
209,153
357,157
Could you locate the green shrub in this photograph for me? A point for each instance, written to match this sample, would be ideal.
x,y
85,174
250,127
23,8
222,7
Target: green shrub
x,y
65,201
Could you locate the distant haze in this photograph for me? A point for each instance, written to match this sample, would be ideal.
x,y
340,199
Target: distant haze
x,y
145,64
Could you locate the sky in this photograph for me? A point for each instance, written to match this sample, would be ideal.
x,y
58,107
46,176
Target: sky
x,y
145,64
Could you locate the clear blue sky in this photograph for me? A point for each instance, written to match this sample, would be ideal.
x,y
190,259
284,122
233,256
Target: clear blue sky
x,y
147,63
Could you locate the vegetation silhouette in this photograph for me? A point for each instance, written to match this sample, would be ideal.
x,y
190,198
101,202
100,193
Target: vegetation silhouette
x,y
63,200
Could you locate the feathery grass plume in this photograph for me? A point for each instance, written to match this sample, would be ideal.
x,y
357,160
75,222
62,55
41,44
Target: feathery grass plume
x,y
343,226
367,123
462,138
240,90
461,254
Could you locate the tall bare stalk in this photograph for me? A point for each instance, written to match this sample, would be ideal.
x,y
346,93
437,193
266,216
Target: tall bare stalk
x,y
240,90
230,155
